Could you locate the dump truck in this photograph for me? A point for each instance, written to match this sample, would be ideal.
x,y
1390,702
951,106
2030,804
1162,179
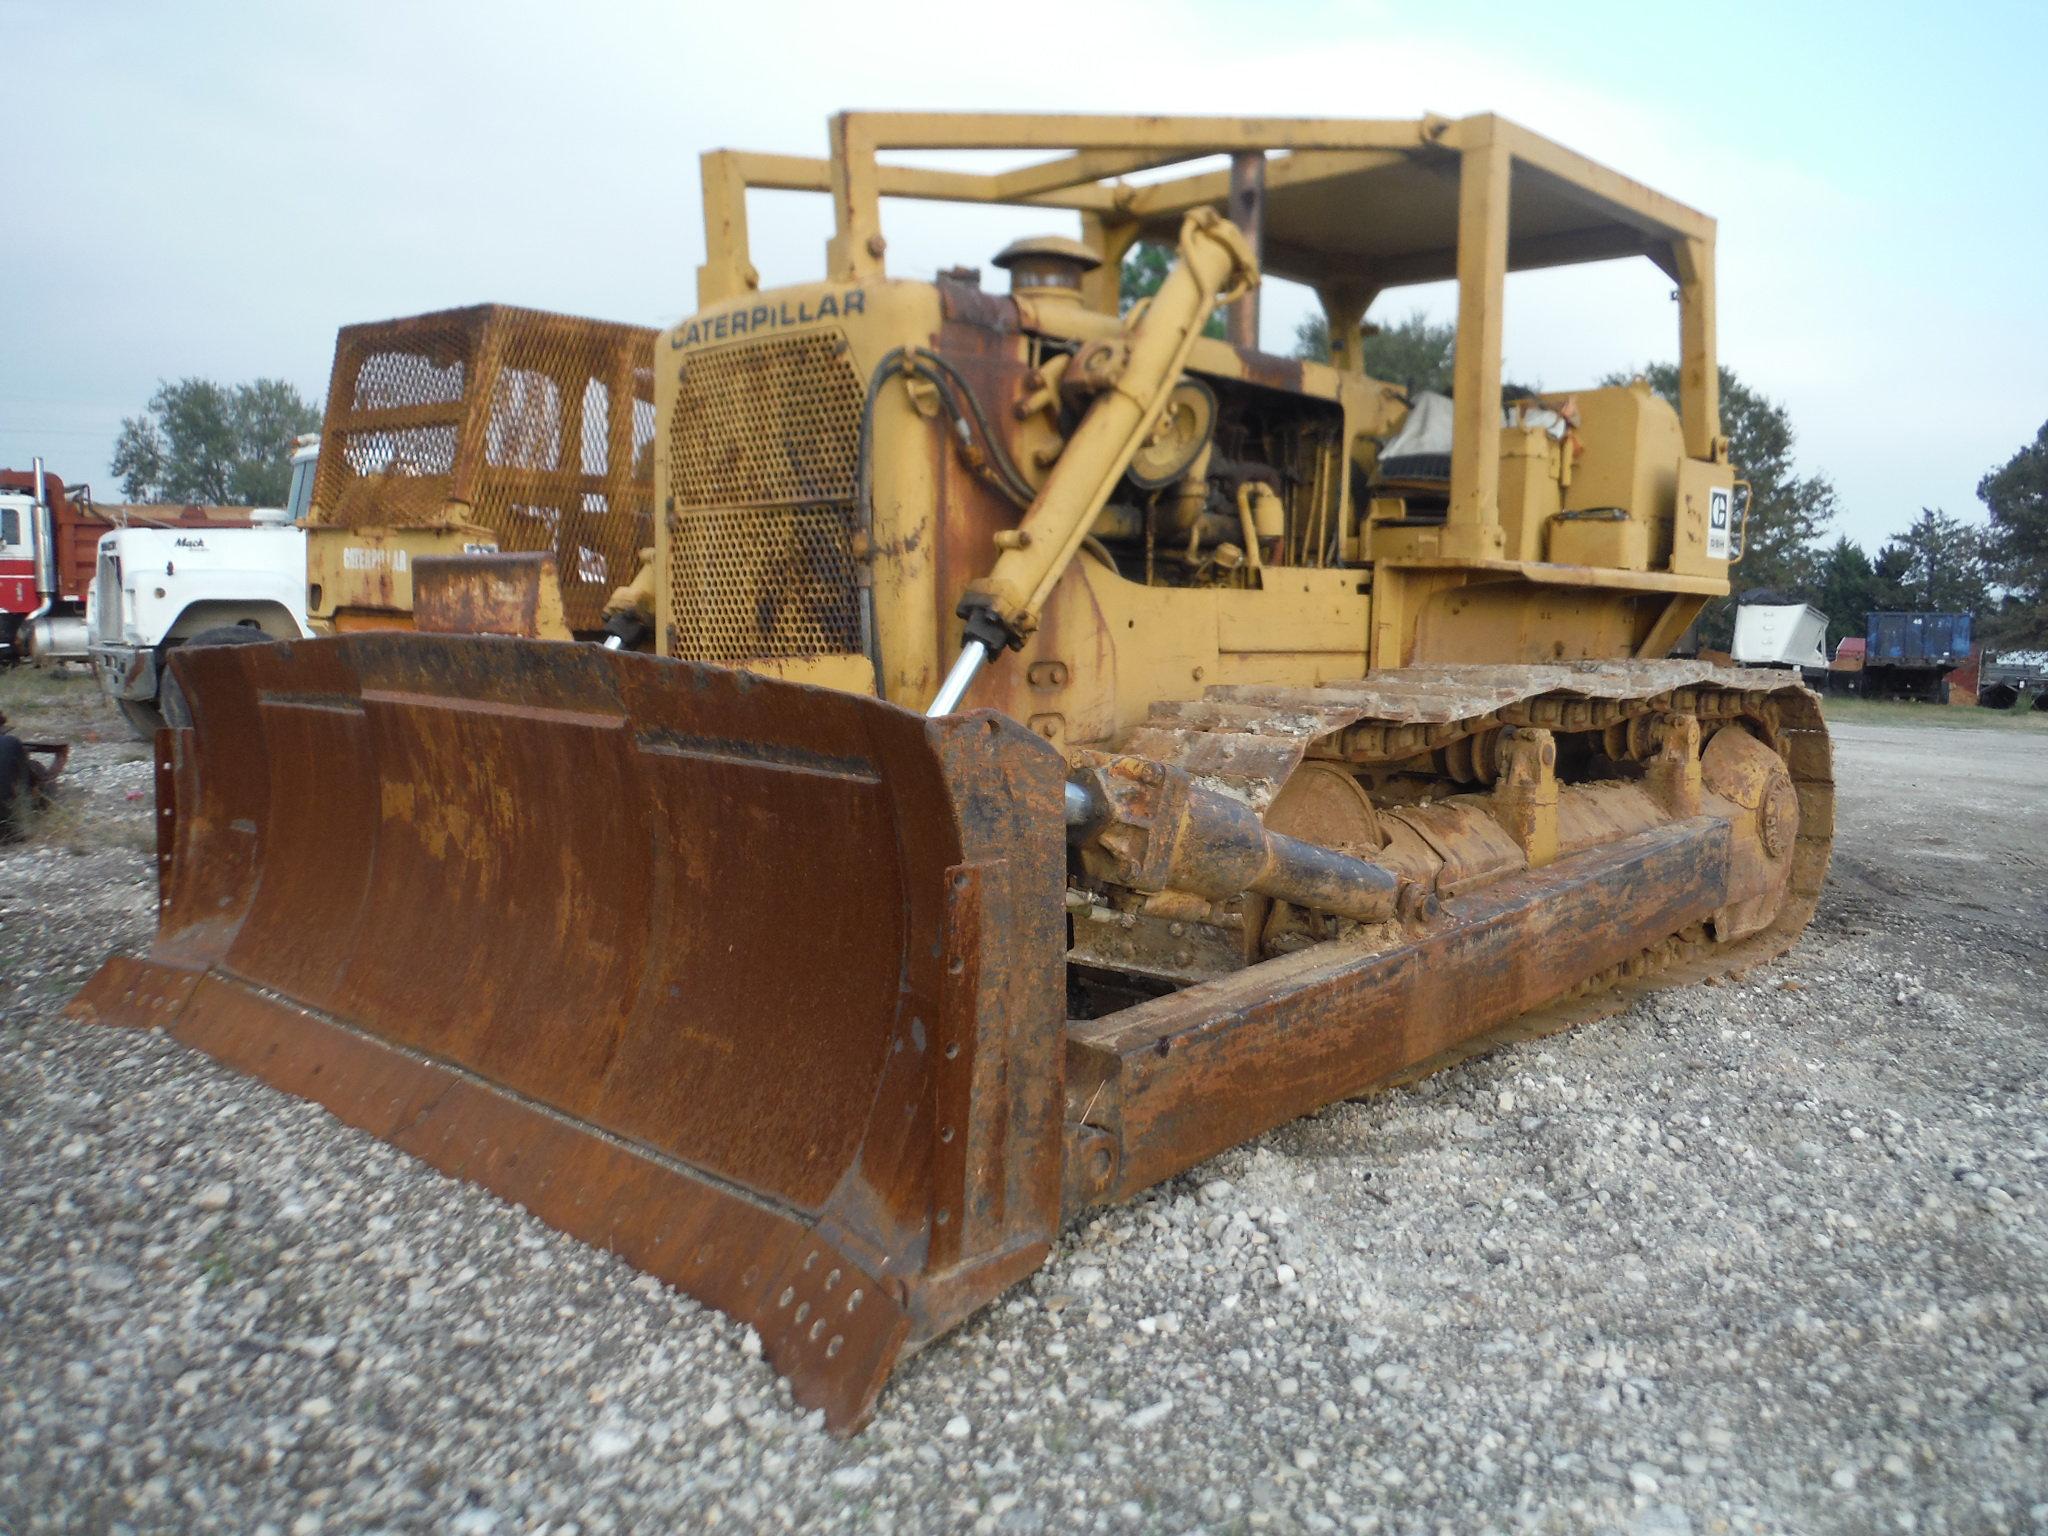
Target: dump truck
x,y
162,588
1066,751
1913,655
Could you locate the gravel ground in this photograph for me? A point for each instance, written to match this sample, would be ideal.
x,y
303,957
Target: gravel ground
x,y
1765,1256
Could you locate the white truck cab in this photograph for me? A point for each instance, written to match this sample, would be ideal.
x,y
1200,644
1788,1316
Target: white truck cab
x,y
158,588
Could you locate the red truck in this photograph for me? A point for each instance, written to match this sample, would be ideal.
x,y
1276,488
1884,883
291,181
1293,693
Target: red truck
x,y
49,540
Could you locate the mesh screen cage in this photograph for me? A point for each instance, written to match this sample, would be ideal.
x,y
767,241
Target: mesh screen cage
x,y
763,450
536,426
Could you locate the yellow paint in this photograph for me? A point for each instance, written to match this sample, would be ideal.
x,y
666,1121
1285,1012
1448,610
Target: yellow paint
x,y
361,578
542,447
1581,541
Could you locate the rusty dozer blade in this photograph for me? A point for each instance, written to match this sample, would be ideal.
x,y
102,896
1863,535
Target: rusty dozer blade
x,y
765,987
757,985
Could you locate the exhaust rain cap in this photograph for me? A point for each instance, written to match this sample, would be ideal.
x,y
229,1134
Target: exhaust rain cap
x,y
1047,265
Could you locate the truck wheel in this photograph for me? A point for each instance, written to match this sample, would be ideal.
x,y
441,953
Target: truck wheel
x,y
143,717
170,697
228,634
15,786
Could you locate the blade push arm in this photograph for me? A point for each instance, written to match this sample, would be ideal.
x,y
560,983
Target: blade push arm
x,y
1137,371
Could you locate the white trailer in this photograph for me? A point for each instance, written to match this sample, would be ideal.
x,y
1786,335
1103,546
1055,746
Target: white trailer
x,y
1780,635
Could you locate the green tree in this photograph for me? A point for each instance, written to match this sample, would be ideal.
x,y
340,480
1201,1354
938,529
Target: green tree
x,y
2017,544
1415,353
1788,511
1144,269
1845,588
1937,565
212,443
1889,573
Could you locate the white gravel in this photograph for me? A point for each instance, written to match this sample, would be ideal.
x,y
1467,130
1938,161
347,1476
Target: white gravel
x,y
1769,1256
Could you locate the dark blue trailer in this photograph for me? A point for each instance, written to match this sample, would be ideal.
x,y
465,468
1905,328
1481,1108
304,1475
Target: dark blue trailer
x,y
1918,639
1912,653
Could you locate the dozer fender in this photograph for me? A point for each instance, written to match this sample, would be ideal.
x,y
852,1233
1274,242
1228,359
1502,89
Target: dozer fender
x,y
757,985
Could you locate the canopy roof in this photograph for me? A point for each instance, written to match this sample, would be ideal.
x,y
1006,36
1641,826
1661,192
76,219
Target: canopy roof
x,y
1373,202
1393,219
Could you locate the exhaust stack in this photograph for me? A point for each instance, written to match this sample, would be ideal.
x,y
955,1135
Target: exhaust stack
x,y
44,539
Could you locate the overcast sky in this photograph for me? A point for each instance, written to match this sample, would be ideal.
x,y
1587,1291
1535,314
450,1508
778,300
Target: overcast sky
x,y
211,187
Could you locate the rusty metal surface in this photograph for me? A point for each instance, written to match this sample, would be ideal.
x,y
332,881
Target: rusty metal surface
x,y
32,788
1248,739
837,1342
537,427
1160,1085
527,910
490,594
1462,724
1182,1077
763,463
1161,832
530,910
55,755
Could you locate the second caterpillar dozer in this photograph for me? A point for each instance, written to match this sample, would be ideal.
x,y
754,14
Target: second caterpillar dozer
x,y
1072,745
484,428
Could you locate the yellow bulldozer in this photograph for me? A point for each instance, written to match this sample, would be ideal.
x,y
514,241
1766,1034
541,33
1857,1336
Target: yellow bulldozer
x,y
1071,745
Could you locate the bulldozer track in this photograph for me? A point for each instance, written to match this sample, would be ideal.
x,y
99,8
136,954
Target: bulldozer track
x,y
1246,741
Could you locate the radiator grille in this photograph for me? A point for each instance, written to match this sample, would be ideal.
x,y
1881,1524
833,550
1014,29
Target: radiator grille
x,y
762,451
540,425
762,581
111,602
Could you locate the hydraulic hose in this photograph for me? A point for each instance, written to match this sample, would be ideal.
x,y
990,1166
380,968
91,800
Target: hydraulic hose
x,y
1133,377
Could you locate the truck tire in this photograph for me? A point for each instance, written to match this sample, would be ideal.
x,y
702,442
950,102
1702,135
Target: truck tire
x,y
170,698
228,634
143,717
15,785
